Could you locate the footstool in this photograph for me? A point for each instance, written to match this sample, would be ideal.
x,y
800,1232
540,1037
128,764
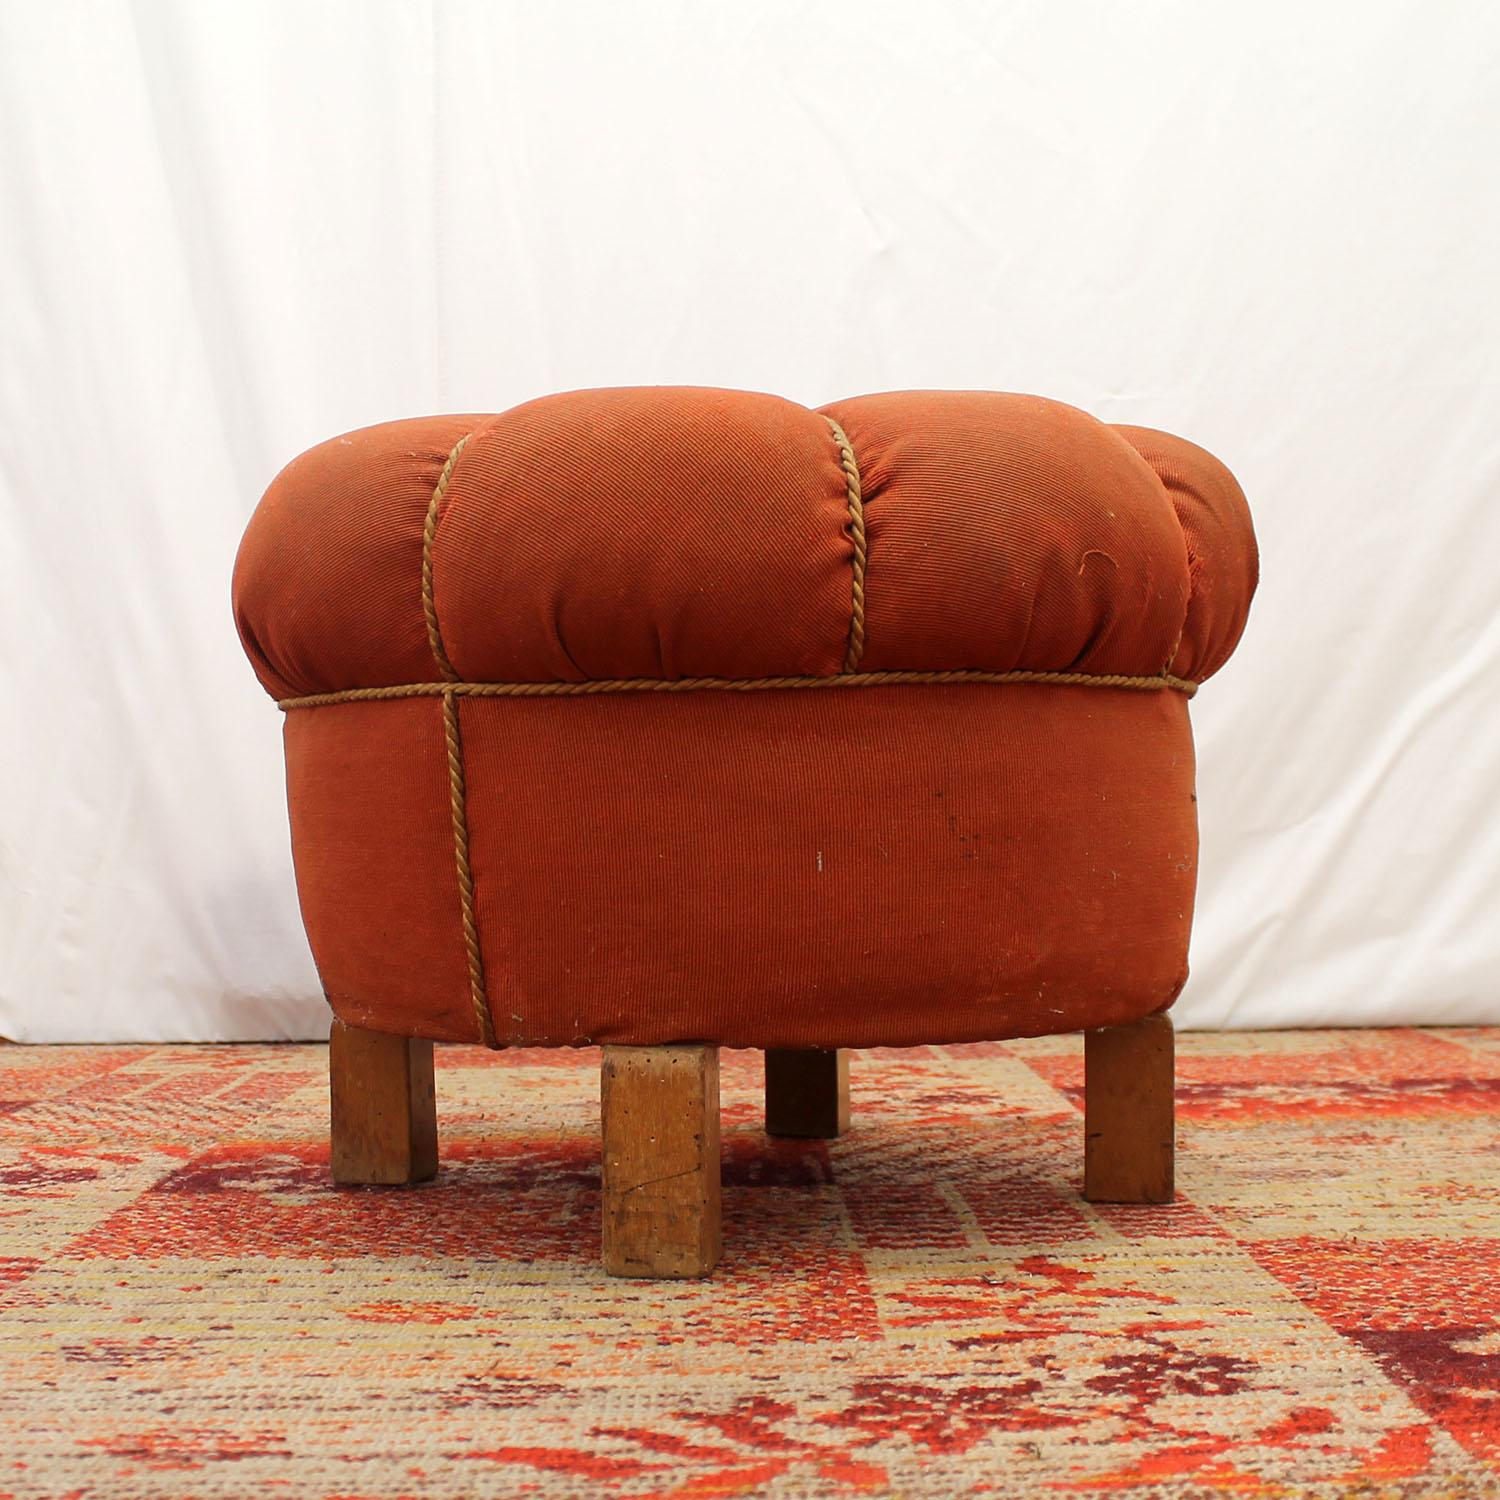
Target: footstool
x,y
666,720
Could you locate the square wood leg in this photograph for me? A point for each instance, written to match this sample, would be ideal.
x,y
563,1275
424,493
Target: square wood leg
x,y
660,1108
1128,1112
807,1092
384,1111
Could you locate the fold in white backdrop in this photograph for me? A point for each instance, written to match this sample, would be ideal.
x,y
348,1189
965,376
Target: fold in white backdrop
x,y
230,231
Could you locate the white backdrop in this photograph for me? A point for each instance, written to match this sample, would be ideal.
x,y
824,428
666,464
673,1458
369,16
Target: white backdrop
x,y
229,231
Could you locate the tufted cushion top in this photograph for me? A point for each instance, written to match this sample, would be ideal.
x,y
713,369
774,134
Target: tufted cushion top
x,y
666,533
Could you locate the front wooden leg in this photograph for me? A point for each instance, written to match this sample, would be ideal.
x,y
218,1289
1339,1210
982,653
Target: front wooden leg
x,y
384,1111
807,1092
660,1108
1128,1112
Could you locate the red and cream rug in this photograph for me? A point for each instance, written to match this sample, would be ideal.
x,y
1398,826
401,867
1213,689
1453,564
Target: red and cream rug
x,y
923,1308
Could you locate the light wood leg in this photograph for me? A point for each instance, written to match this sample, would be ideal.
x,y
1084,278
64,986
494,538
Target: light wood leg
x,y
807,1092
660,1108
384,1112
1128,1112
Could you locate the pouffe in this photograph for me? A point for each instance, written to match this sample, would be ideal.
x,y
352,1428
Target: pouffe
x,y
671,719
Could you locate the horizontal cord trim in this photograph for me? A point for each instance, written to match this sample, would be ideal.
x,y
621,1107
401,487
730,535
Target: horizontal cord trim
x,y
726,685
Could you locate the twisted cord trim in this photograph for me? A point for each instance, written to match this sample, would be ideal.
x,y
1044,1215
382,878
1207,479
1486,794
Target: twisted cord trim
x,y
459,801
606,685
457,783
856,647
429,532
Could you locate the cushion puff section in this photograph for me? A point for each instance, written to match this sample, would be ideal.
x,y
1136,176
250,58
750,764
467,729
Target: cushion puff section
x,y
327,584
1223,564
645,533
1010,532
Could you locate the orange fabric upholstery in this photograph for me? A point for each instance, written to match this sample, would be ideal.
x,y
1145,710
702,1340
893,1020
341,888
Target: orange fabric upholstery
x,y
645,534
886,863
372,835
325,585
1009,531
1222,560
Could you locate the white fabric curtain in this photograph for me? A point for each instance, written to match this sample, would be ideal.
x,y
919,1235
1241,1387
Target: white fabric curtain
x,y
229,231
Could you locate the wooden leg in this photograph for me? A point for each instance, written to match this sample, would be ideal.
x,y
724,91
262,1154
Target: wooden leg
x,y
1128,1114
807,1092
384,1110
661,1160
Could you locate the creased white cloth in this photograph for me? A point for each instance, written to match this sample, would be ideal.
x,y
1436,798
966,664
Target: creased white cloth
x,y
227,232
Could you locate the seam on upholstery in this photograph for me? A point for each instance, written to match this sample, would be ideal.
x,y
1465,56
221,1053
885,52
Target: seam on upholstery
x,y
604,685
458,797
1187,608
429,533
856,647
1187,549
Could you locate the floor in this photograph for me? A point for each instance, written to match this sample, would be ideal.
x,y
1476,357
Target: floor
x,y
922,1308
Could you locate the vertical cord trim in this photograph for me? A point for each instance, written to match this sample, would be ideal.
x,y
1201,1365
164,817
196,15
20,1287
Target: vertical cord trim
x,y
429,533
459,801
457,782
856,531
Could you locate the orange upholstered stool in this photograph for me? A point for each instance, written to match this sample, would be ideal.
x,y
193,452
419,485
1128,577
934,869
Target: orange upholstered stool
x,y
672,719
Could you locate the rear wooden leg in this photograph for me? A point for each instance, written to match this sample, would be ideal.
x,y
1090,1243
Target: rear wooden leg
x,y
1128,1113
384,1112
807,1092
660,1108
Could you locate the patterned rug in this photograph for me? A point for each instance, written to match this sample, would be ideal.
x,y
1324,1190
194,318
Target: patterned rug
x,y
923,1308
